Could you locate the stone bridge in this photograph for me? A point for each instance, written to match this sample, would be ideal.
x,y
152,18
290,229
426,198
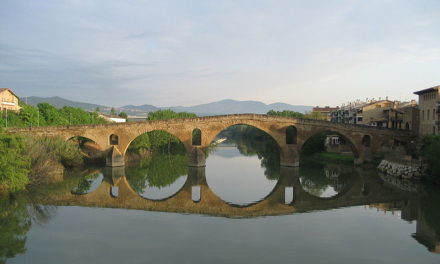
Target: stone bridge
x,y
289,133
365,190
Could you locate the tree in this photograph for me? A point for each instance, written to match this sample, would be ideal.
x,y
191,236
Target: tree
x,y
123,115
113,111
97,109
431,154
286,113
51,115
315,115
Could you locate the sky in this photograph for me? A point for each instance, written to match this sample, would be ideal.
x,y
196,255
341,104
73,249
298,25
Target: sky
x,y
169,53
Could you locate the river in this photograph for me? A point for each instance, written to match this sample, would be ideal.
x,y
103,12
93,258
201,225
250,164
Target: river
x,y
241,208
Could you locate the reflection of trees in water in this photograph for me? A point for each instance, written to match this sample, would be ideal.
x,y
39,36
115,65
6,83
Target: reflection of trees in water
x,y
16,217
252,141
158,170
14,224
315,178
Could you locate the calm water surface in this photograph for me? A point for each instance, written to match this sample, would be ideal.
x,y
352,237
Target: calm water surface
x,y
241,208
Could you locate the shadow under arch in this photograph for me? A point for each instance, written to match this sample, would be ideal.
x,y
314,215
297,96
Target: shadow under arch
x,y
91,151
84,141
350,142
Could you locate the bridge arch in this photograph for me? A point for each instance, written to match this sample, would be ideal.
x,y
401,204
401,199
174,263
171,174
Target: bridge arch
x,y
276,134
348,139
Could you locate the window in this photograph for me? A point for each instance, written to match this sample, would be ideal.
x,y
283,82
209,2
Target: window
x,y
114,139
366,140
196,137
291,134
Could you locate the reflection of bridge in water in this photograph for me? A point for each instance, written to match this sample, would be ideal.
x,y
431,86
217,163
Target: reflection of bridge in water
x,y
196,197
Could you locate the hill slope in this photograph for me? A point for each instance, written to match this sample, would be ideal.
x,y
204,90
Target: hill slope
x,y
223,107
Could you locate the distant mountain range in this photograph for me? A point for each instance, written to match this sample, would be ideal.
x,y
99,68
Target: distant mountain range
x,y
222,107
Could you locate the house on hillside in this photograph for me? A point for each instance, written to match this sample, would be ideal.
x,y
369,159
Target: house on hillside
x,y
9,100
112,118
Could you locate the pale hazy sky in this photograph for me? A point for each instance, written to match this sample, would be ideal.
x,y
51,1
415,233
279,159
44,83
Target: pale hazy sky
x,y
189,52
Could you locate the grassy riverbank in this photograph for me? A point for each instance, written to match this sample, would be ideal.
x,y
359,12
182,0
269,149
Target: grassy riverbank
x,y
31,160
331,157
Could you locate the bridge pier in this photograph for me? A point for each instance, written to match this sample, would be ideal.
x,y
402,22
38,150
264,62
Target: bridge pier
x,y
196,176
289,156
196,157
114,158
365,155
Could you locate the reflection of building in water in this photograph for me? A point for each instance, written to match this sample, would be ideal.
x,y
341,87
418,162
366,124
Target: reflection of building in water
x,y
336,144
426,234
331,173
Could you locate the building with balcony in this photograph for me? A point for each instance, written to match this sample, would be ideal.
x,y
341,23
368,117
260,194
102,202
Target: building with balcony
x,y
350,113
379,113
429,110
8,100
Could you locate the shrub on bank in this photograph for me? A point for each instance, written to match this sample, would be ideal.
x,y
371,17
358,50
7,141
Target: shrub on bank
x,y
48,154
14,164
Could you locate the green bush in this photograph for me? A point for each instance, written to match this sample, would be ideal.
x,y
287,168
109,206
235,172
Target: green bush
x,y
14,164
286,113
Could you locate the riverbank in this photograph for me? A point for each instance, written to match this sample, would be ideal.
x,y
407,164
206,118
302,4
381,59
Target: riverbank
x,y
331,157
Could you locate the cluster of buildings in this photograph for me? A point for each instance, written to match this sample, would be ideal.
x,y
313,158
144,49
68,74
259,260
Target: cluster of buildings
x,y
422,118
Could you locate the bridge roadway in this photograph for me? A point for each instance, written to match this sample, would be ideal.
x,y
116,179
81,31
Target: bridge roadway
x,y
289,133
365,190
